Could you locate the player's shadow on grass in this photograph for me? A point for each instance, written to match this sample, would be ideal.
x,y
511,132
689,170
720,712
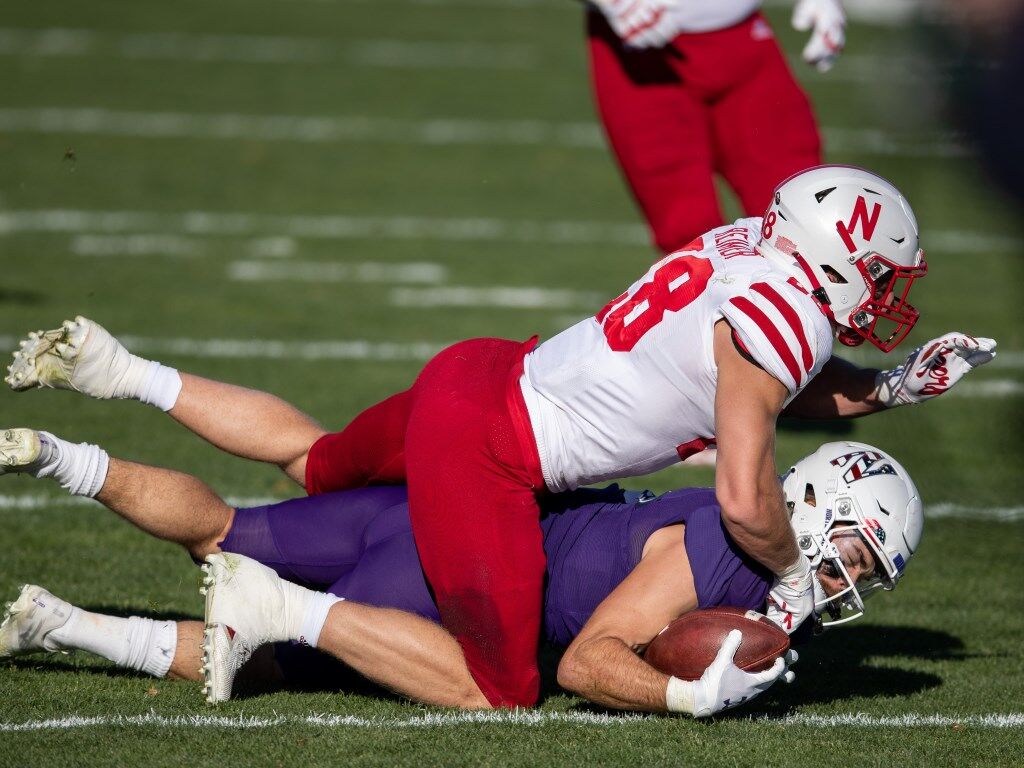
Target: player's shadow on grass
x,y
840,665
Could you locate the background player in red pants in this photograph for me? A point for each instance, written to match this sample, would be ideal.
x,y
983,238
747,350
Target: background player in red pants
x,y
687,89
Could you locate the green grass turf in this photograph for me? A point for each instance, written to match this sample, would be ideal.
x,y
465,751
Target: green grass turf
x,y
947,643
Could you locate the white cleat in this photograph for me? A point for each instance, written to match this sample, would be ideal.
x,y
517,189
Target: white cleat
x,y
245,609
19,450
81,355
29,620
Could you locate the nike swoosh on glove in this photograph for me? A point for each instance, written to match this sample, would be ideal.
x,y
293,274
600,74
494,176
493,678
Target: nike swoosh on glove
x,y
826,21
933,368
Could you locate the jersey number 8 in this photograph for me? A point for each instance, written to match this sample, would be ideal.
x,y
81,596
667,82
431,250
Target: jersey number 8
x,y
672,287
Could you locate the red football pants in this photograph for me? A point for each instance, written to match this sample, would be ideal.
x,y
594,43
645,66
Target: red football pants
x,y
461,439
711,102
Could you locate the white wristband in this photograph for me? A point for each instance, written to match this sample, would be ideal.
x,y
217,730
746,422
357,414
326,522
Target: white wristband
x,y
797,571
679,696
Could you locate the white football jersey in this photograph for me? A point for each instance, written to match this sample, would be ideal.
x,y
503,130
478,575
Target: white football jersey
x,y
632,389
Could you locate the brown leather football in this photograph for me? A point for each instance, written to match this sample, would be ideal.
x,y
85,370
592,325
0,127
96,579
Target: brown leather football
x,y
687,646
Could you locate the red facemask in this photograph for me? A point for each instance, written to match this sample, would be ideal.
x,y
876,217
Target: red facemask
x,y
885,318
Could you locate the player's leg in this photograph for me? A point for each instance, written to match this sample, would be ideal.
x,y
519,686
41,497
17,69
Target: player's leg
x,y
369,451
166,504
249,605
387,628
475,515
38,621
82,356
660,133
361,543
764,127
247,423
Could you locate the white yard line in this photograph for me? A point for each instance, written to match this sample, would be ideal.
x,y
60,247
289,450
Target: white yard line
x,y
343,227
143,244
337,272
163,245
322,227
499,297
265,49
300,128
33,501
364,128
527,718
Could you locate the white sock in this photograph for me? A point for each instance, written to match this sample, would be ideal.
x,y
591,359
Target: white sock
x,y
160,386
145,645
81,468
305,613
315,617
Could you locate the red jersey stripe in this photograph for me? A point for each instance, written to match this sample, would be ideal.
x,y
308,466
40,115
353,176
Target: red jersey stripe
x,y
771,333
791,317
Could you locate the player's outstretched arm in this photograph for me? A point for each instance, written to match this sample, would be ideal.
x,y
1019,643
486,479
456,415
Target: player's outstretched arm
x,y
844,390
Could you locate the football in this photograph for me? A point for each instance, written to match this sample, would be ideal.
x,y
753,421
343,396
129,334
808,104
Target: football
x,y
687,646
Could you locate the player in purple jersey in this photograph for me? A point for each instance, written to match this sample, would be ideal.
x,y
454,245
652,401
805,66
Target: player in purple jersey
x,y
620,567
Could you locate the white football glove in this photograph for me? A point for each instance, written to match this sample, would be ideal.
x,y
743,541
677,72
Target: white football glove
x,y
724,685
933,368
828,21
642,23
791,601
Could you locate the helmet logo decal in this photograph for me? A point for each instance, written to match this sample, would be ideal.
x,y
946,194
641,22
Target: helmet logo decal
x,y
861,464
867,222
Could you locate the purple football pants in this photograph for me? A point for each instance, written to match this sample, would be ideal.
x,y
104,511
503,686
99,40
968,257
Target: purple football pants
x,y
356,544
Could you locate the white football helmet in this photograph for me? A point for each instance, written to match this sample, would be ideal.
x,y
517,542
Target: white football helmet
x,y
850,239
853,486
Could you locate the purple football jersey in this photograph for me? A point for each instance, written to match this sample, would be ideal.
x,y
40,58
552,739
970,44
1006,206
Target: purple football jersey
x,y
359,544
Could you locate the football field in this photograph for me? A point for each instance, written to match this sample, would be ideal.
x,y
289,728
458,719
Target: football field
x,y
311,197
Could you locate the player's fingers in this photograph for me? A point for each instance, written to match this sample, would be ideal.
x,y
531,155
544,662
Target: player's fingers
x,y
789,677
791,657
803,16
925,356
732,642
770,675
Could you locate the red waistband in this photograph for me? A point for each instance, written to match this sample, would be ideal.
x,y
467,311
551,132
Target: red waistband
x,y
521,420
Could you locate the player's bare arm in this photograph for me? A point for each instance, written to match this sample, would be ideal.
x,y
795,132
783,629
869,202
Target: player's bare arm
x,y
747,403
602,663
845,390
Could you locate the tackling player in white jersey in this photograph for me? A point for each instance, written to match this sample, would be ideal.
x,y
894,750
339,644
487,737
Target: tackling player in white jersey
x,y
712,344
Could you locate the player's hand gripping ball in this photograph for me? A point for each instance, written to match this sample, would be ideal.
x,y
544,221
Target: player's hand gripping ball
x,y
689,645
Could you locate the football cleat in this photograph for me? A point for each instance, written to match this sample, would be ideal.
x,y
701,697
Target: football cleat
x,y
81,355
245,609
19,450
29,620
